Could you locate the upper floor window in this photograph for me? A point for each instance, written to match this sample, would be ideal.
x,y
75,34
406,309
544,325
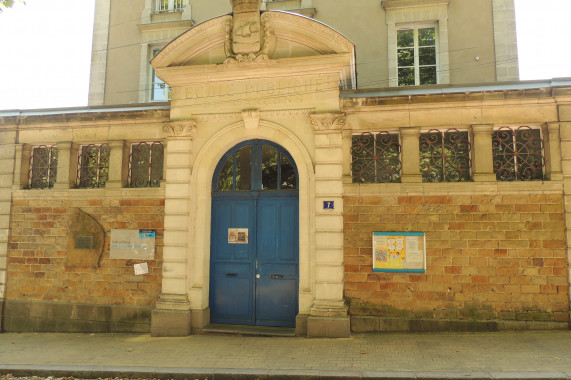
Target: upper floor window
x,y
43,167
444,156
160,91
164,6
417,55
375,157
93,166
146,164
517,154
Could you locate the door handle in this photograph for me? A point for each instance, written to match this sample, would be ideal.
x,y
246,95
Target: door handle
x,y
276,276
231,274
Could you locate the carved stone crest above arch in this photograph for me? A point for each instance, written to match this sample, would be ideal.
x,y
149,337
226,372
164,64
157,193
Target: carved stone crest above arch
x,y
281,35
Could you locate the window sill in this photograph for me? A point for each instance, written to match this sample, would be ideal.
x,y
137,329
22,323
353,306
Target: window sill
x,y
167,11
395,4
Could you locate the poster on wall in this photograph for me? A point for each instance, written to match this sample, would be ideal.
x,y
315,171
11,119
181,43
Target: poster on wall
x,y
132,244
399,252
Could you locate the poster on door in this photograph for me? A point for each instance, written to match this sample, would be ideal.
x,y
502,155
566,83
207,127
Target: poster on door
x,y
399,252
237,236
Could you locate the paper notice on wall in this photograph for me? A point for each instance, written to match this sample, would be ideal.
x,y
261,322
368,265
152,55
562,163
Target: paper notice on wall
x,y
141,268
414,250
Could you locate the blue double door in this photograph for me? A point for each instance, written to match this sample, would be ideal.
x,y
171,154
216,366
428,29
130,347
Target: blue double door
x,y
254,248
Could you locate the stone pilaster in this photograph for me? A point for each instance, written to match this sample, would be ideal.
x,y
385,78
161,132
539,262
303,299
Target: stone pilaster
x,y
172,315
116,161
97,80
565,138
7,154
552,141
410,158
328,316
505,40
66,165
21,166
482,158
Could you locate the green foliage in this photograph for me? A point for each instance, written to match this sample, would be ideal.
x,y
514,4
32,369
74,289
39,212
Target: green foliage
x,y
8,4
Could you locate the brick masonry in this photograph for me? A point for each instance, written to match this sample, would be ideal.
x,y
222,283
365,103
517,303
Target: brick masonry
x,y
38,271
500,257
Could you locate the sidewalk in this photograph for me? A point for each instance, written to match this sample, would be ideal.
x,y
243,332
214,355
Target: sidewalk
x,y
501,355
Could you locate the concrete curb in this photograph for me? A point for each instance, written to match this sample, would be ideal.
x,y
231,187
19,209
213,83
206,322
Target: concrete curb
x,y
94,372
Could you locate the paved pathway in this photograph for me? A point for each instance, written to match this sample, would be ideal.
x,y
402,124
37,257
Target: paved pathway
x,y
513,355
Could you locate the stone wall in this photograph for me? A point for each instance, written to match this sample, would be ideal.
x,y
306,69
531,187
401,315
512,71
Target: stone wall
x,y
489,258
45,292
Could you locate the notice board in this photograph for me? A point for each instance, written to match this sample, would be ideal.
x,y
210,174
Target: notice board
x,y
399,252
132,244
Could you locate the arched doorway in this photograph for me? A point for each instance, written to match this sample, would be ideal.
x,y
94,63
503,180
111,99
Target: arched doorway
x,y
254,258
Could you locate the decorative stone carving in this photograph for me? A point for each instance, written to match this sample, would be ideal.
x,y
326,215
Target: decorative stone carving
x,y
251,118
247,37
328,121
185,128
85,241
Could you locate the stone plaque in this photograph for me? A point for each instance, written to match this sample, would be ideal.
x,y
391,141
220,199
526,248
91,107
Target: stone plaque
x,y
84,242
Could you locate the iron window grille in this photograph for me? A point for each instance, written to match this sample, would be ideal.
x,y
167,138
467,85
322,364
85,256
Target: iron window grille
x,y
376,158
146,164
43,167
445,156
93,166
518,154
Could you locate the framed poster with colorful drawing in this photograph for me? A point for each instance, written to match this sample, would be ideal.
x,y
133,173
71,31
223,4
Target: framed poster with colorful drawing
x,y
399,252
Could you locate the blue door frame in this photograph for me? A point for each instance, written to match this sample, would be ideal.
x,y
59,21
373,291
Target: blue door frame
x,y
254,280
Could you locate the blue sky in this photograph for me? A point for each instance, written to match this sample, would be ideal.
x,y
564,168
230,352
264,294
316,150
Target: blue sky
x,y
45,54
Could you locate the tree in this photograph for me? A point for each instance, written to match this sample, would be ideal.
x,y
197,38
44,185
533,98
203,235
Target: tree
x,y
8,4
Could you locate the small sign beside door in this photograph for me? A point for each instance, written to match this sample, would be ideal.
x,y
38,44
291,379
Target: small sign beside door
x,y
328,205
237,236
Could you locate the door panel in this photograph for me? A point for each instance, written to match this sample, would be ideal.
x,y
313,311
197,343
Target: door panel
x,y
276,289
231,298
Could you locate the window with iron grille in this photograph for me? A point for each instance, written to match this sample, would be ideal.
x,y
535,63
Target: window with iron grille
x,y
93,166
146,164
518,154
376,158
43,167
444,156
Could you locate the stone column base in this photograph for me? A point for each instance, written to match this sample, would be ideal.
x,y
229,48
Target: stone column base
x,y
170,322
328,327
199,319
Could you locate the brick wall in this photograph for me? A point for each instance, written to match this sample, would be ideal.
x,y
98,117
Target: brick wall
x,y
488,257
37,256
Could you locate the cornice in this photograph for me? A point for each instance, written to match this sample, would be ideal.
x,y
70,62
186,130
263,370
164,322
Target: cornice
x,y
184,128
156,26
328,122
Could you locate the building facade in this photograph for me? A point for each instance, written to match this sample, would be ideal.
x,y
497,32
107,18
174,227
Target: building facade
x,y
268,191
